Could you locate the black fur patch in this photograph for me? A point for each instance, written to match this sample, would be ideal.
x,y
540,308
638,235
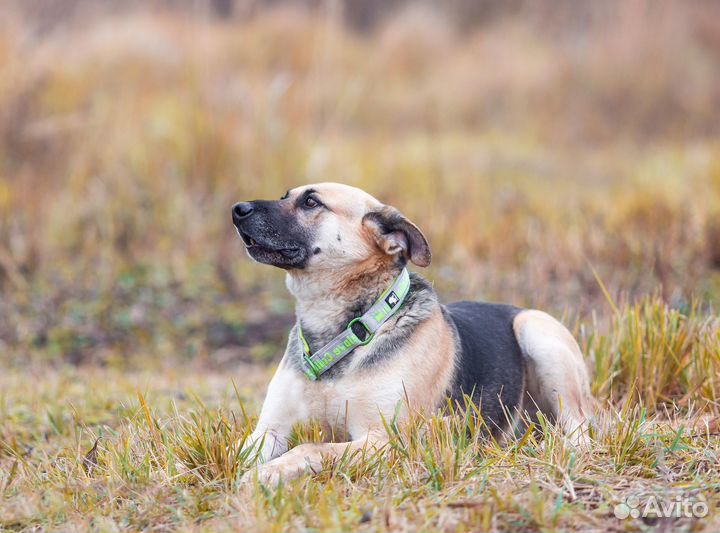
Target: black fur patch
x,y
490,363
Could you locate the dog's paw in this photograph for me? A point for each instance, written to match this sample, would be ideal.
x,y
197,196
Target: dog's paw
x,y
261,446
267,475
271,474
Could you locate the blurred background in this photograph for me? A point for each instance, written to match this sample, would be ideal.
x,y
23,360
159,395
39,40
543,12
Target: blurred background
x,y
541,146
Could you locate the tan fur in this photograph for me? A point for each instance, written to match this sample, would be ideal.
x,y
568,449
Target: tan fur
x,y
421,370
369,269
557,382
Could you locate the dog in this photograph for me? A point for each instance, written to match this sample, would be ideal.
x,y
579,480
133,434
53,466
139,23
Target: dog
x,y
373,342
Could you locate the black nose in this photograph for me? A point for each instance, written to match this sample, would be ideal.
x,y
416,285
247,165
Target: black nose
x,y
241,210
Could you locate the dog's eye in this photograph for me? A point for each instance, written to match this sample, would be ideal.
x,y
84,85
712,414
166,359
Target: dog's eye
x,y
285,196
311,202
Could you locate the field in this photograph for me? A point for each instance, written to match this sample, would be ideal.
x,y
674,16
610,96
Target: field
x,y
562,159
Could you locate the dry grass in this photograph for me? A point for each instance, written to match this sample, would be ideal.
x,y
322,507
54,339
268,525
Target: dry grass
x,y
161,459
576,171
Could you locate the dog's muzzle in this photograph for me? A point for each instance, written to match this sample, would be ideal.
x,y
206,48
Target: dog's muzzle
x,y
267,234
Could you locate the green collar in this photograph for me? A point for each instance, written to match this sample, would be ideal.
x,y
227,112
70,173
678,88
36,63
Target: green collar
x,y
386,306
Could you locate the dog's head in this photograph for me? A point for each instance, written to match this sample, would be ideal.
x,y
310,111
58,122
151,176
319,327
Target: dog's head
x,y
327,226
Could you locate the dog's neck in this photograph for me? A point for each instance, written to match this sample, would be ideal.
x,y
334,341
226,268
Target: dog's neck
x,y
326,303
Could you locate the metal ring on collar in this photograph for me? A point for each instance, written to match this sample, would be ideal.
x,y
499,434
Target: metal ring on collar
x,y
364,325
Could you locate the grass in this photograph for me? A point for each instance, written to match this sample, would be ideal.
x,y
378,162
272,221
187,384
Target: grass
x,y
574,170
106,450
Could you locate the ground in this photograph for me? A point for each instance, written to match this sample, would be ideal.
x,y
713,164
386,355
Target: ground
x,y
111,450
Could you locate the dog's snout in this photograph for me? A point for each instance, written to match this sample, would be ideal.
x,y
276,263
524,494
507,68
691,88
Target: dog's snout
x,y
241,210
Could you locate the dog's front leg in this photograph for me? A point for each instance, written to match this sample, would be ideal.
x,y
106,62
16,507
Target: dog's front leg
x,y
283,406
309,458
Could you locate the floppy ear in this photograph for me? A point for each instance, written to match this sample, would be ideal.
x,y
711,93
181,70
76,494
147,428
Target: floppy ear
x,y
394,234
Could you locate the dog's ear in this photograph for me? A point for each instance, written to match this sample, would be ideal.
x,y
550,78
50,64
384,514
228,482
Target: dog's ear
x,y
395,234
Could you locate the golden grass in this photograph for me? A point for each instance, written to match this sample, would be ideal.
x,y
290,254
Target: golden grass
x,y
162,455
